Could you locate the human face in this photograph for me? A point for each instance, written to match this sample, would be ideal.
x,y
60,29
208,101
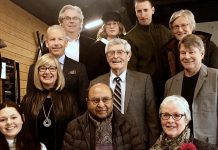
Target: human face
x,y
181,27
56,42
170,126
118,58
48,75
112,29
71,22
10,122
144,11
104,107
190,59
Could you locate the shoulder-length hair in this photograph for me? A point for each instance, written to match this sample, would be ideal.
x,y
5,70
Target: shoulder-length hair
x,y
24,139
48,59
102,31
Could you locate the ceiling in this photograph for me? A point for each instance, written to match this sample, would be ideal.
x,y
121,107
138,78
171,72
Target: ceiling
x,y
47,10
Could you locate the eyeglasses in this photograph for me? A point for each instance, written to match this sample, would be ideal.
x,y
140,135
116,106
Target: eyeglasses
x,y
166,116
50,68
96,101
67,18
183,26
118,52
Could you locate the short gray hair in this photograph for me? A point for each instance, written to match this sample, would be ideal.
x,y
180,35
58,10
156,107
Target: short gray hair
x,y
118,41
178,101
55,27
71,7
190,41
184,13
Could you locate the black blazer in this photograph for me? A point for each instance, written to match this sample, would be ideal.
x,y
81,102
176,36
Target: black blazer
x,y
76,80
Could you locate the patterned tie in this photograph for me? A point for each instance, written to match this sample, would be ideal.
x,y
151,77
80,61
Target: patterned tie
x,y
117,94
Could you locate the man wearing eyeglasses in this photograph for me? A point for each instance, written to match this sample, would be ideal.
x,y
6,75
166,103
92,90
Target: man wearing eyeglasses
x,y
71,19
198,84
101,127
133,94
76,79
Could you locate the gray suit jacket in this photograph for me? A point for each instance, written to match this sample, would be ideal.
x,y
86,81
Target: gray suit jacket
x,y
139,103
204,106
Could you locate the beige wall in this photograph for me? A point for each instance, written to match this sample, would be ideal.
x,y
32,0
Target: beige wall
x,y
17,29
210,27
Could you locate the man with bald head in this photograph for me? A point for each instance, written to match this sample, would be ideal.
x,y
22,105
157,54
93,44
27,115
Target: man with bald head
x,y
76,79
101,127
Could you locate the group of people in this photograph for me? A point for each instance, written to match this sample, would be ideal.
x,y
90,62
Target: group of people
x,y
105,94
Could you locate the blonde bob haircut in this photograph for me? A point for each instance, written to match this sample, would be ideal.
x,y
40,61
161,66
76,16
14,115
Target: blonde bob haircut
x,y
183,13
45,60
102,31
178,101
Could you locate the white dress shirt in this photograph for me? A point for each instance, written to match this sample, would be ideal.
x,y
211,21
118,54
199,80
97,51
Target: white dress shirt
x,y
122,84
72,49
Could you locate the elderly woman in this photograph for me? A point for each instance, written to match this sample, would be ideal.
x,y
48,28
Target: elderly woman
x,y
112,28
14,132
183,23
175,115
49,109
198,84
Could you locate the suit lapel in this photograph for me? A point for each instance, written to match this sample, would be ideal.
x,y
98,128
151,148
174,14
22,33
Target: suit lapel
x,y
178,85
129,88
201,79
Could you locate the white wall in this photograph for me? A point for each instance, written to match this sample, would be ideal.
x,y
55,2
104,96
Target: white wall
x,y
210,27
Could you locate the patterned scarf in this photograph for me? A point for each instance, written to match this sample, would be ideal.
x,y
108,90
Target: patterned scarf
x,y
165,143
103,132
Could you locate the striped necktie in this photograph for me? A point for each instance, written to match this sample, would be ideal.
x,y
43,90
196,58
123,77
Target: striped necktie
x,y
117,94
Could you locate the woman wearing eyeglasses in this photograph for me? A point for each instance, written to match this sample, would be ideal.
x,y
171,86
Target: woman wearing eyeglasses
x,y
49,109
175,116
183,23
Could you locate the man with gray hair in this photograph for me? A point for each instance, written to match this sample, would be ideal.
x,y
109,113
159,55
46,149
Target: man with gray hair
x,y
71,19
133,91
198,84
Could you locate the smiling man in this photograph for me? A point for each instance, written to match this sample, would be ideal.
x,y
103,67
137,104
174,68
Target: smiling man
x,y
76,79
101,127
146,39
71,19
133,91
198,84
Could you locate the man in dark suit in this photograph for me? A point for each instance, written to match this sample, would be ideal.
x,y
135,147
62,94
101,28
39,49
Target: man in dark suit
x,y
137,94
71,19
76,80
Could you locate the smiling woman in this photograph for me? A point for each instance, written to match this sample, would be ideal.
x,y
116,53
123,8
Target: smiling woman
x,y
14,133
49,108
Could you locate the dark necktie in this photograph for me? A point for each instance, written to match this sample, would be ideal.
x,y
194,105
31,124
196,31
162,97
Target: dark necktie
x,y
117,94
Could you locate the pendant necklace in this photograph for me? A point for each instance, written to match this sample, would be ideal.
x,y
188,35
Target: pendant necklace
x,y
47,121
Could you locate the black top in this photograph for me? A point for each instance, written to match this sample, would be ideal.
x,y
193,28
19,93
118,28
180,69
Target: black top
x,y
45,133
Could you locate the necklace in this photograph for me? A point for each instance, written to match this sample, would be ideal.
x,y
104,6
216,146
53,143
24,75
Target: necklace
x,y
47,121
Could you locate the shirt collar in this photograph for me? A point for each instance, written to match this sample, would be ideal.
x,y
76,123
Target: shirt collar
x,y
105,41
122,76
61,59
70,40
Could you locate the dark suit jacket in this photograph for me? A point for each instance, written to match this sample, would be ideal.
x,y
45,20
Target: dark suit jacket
x,y
139,103
76,80
84,47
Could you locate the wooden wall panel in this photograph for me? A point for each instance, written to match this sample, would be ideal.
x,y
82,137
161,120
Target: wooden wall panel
x,y
17,29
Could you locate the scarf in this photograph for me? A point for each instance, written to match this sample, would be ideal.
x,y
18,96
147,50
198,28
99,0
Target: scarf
x,y
166,143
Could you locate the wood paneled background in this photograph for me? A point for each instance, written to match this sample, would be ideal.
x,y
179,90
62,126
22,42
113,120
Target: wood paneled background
x,y
17,29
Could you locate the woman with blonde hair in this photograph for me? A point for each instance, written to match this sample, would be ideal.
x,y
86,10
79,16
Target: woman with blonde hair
x,y
50,108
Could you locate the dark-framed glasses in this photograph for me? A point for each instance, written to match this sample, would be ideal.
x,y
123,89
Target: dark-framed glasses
x,y
96,101
166,116
50,68
118,52
68,18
